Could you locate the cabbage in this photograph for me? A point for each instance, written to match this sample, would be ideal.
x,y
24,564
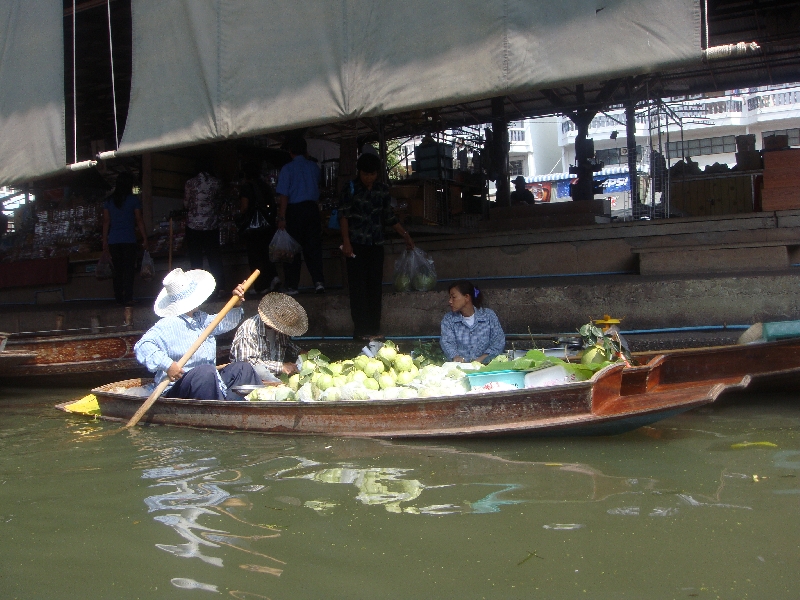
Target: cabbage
x,y
391,393
405,378
403,362
305,393
324,381
294,382
406,393
387,352
354,391
402,282
357,376
386,381
424,282
335,368
374,366
331,394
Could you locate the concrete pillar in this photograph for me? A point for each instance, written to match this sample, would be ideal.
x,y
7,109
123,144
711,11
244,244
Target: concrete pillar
x,y
501,148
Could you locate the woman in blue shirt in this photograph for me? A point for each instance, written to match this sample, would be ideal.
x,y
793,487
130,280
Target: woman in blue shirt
x,y
470,332
121,212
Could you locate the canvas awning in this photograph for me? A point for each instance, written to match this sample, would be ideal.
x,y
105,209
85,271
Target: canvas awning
x,y
31,90
207,70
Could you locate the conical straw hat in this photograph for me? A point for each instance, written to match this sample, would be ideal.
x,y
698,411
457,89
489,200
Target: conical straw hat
x,y
283,313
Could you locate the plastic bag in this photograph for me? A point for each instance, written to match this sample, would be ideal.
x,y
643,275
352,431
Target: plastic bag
x,y
333,221
403,272
424,273
148,267
283,247
105,267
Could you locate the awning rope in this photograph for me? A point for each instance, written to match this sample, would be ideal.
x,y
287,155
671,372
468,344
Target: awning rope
x,y
113,84
74,92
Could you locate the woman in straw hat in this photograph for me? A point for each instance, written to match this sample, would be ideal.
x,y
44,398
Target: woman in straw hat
x,y
180,326
263,339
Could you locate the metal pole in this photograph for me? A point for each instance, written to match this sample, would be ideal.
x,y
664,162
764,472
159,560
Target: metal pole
x,y
113,85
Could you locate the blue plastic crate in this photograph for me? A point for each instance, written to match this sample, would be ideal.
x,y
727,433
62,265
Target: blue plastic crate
x,y
515,378
781,330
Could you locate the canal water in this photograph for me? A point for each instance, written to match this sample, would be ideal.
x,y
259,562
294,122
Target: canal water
x,y
704,505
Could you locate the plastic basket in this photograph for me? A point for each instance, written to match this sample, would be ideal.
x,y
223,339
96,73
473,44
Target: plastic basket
x,y
515,378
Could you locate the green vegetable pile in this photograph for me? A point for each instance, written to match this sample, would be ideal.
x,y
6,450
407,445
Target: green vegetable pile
x,y
390,375
536,359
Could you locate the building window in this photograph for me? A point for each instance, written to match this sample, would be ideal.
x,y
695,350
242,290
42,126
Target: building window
x,y
703,147
516,135
616,156
515,168
793,134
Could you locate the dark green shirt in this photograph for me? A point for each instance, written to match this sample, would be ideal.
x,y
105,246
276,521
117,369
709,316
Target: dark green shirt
x,y
367,212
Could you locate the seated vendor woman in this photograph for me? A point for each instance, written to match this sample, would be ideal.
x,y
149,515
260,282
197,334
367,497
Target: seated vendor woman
x,y
470,332
168,340
264,341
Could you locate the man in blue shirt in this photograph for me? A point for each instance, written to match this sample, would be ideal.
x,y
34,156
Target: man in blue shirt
x,y
298,214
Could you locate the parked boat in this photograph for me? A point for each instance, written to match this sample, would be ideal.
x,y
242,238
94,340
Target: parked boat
x,y
614,400
71,355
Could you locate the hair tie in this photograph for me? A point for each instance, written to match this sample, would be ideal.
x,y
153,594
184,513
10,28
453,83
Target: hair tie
x,y
475,292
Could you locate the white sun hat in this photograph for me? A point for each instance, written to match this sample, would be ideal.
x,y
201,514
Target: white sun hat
x,y
183,291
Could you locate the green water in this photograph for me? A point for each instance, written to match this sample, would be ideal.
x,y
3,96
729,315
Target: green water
x,y
669,511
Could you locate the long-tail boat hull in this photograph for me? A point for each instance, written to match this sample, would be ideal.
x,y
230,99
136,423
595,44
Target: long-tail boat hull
x,y
616,399
73,355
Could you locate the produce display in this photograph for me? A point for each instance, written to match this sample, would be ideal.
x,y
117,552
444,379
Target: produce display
x,y
393,375
388,376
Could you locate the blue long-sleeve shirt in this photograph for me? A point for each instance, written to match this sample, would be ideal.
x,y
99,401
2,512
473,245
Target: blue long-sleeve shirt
x,y
169,339
484,337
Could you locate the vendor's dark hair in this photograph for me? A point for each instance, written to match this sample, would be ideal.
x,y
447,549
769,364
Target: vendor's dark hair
x,y
122,189
297,145
368,163
467,289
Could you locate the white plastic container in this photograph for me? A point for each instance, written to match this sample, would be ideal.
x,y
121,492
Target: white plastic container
x,y
555,375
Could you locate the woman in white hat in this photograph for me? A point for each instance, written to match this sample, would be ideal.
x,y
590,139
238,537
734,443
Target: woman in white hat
x,y
264,341
181,325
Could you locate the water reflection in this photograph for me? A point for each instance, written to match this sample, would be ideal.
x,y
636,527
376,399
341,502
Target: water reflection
x,y
216,504
201,489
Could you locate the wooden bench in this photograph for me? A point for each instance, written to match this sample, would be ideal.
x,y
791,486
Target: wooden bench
x,y
716,258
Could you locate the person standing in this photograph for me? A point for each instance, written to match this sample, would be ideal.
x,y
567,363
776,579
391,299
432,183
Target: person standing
x,y
521,194
122,214
257,206
365,210
298,214
201,199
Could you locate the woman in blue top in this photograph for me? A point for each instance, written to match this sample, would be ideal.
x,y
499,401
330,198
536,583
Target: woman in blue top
x,y
121,212
470,332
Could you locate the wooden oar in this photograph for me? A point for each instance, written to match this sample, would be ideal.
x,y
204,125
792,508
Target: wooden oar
x,y
190,352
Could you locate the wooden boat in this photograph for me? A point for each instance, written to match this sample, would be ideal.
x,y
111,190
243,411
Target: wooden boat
x,y
76,356
72,358
615,399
